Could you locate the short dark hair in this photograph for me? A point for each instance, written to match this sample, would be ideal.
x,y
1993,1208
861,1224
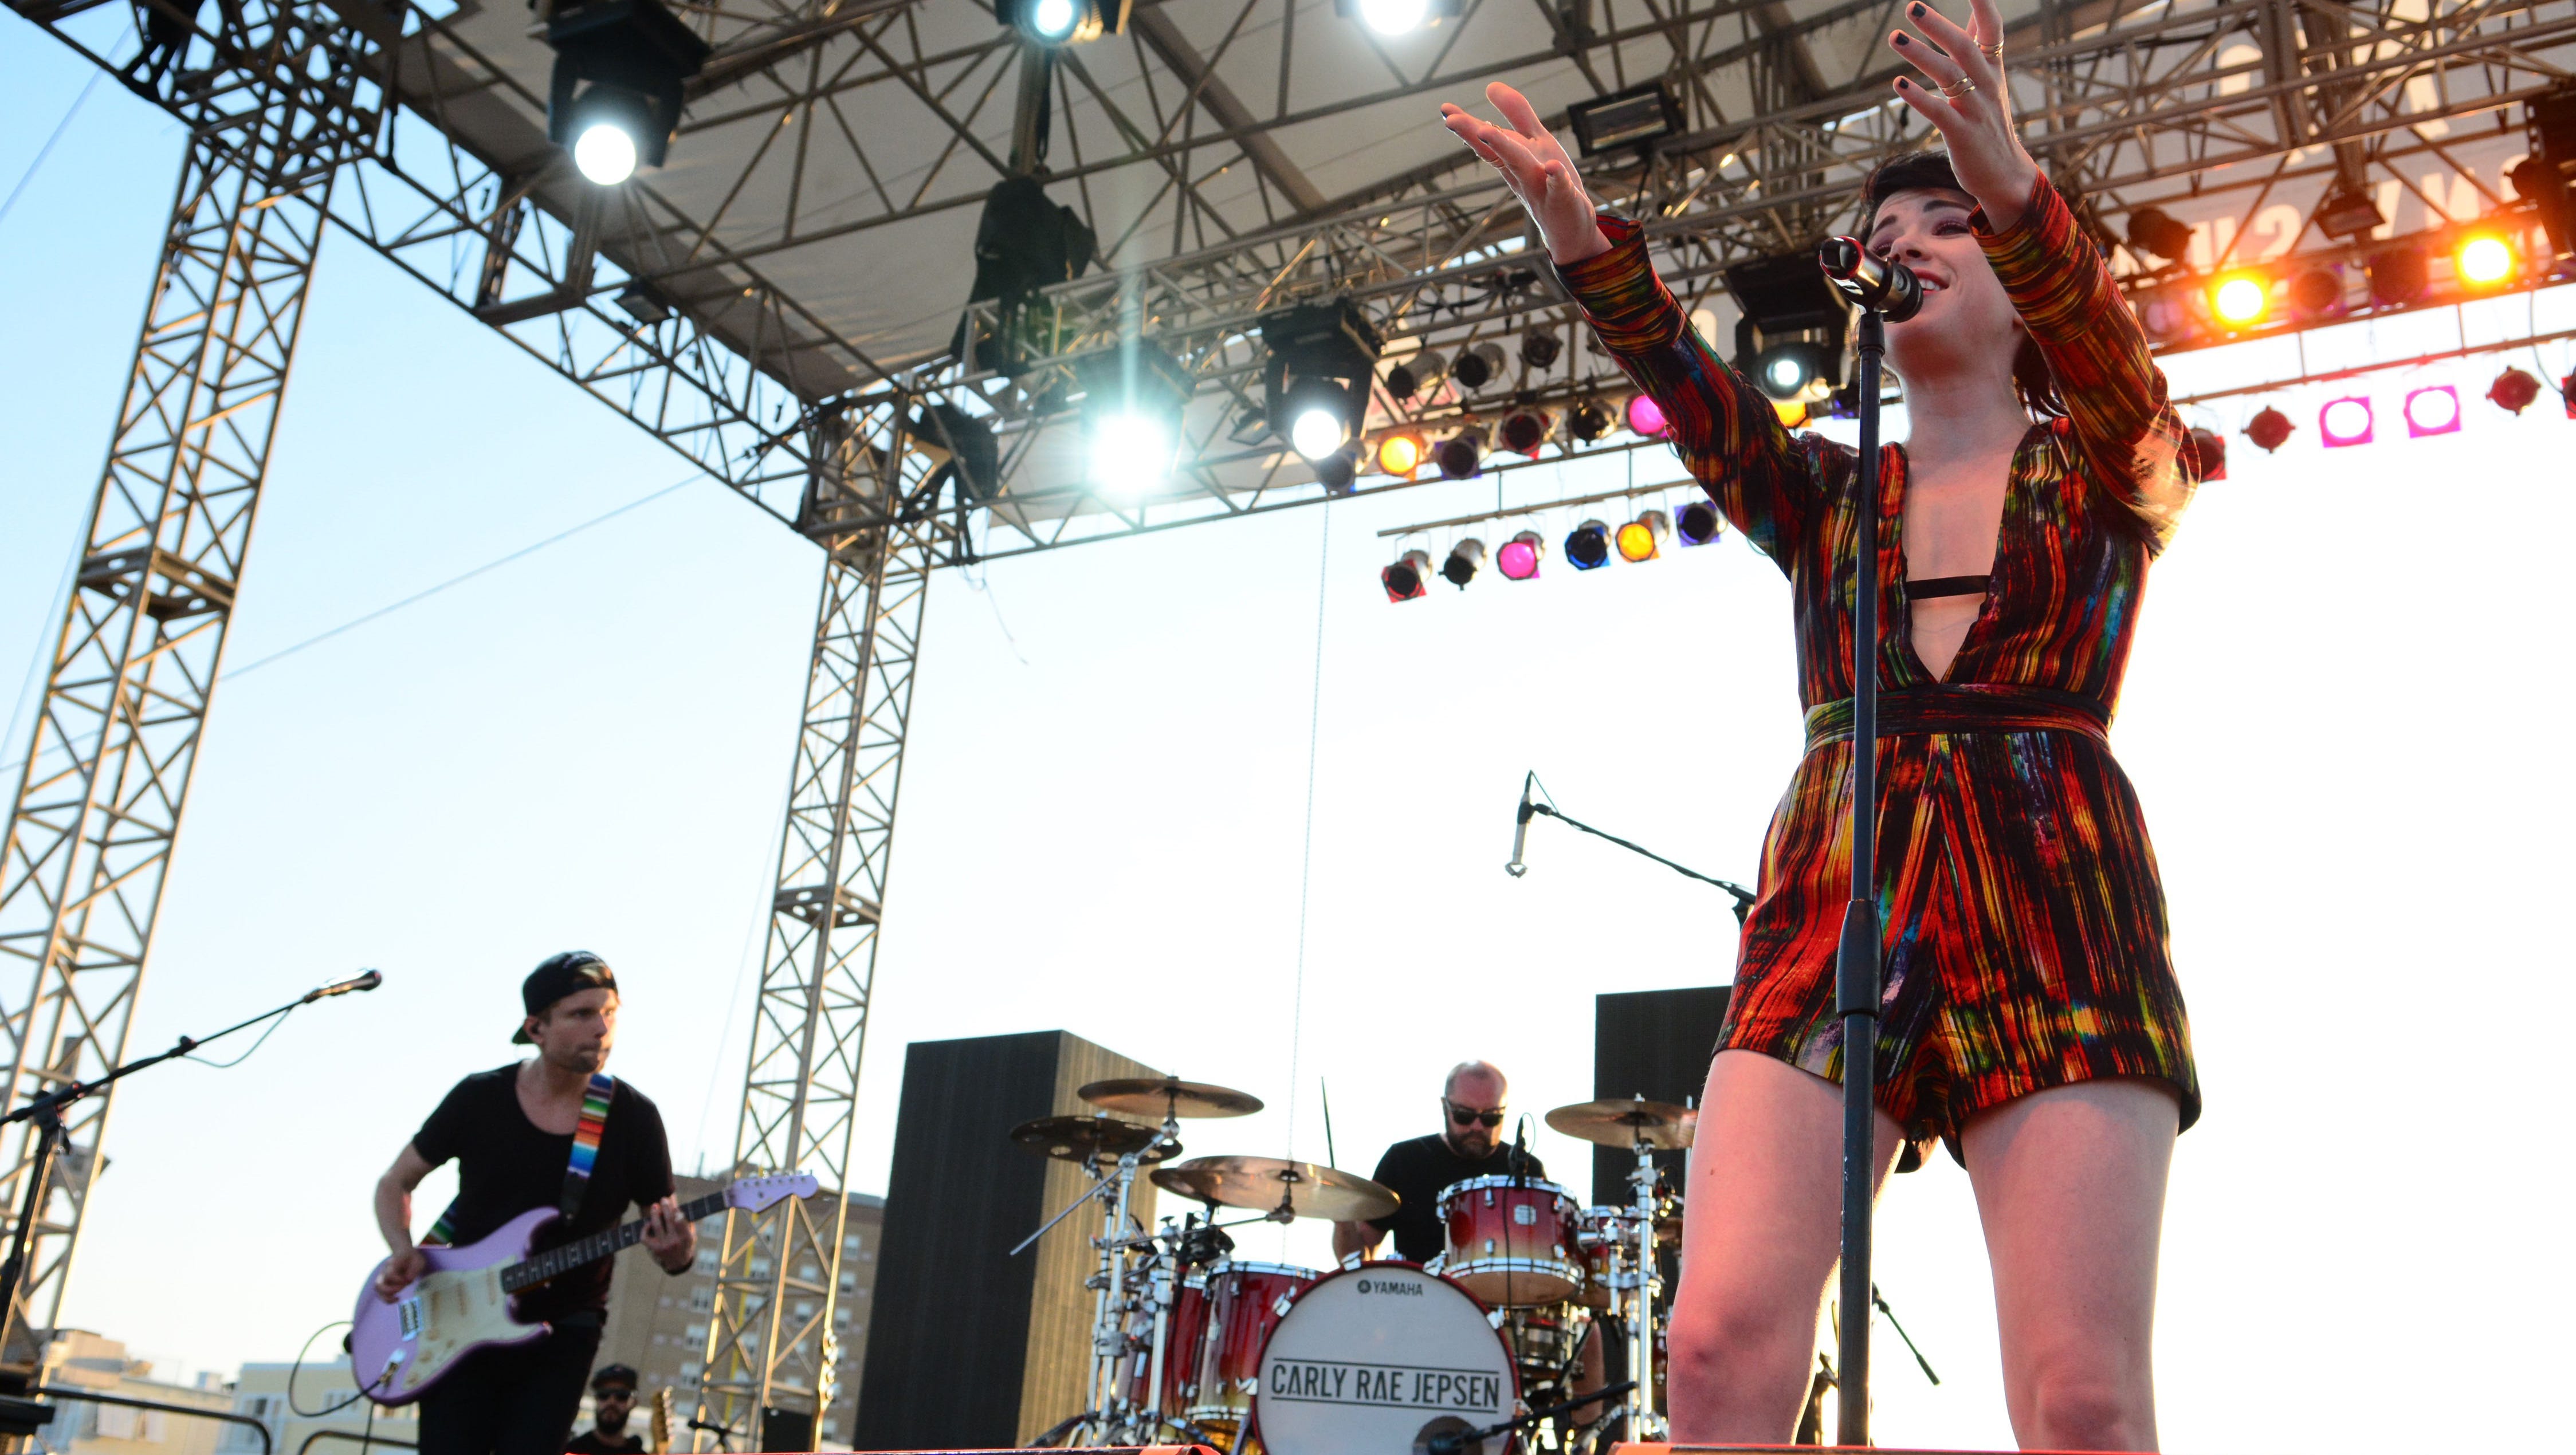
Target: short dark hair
x,y
1930,171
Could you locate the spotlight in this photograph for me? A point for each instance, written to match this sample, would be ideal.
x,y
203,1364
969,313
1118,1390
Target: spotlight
x,y
1397,17
1525,430
2240,299
2317,292
1477,366
1337,472
1587,420
1400,454
2208,452
1635,117
1024,241
2397,275
1699,523
2513,390
2348,213
1645,416
1540,350
2432,410
2269,429
1322,356
1064,22
1587,546
1405,580
1790,337
615,94
1132,401
1464,560
2482,260
2544,178
1642,539
1461,456
1417,375
2345,422
1518,559
1130,452
2154,230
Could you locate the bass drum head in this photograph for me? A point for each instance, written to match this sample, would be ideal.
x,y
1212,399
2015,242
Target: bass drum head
x,y
1377,1359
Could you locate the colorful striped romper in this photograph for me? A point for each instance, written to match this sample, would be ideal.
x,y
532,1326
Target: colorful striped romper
x,y
2026,944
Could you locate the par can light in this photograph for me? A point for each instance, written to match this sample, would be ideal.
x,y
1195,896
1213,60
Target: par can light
x,y
1642,539
1478,366
1587,546
1401,453
2432,410
1518,559
1525,431
1408,578
2345,422
2483,260
1465,559
1698,523
1645,416
1587,420
1461,456
2240,299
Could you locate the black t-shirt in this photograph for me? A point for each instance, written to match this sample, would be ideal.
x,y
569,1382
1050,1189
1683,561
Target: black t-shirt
x,y
505,1166
589,1442
1419,1171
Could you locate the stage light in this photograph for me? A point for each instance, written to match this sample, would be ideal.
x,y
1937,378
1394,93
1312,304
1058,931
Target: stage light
x,y
2154,230
1024,241
1406,579
1064,22
2397,275
1397,17
1461,456
1129,452
1635,117
2513,390
1789,339
1315,383
2345,422
1401,453
2482,260
1525,431
1798,370
2240,299
1698,523
1792,412
2207,450
1540,350
2434,409
1318,415
615,93
1417,375
1645,416
1518,559
1464,560
2269,430
1132,397
2347,213
1587,546
1587,420
1338,473
1477,366
2317,292
1642,539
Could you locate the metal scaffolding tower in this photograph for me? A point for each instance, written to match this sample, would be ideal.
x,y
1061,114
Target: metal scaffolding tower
x,y
276,105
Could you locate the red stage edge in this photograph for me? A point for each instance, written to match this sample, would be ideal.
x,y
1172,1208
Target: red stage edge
x,y
1659,1448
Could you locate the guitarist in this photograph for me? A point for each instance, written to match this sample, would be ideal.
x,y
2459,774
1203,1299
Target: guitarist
x,y
518,1136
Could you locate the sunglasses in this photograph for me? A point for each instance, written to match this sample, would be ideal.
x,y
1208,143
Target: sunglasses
x,y
1469,1116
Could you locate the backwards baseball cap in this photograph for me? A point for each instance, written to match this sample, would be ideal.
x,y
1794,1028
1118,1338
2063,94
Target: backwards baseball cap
x,y
569,973
613,1375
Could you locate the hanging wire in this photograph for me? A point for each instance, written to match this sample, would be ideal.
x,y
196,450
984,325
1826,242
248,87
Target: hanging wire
x,y
1306,854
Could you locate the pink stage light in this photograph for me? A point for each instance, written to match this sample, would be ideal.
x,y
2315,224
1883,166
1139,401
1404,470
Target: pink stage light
x,y
1645,416
2432,410
1518,559
2345,422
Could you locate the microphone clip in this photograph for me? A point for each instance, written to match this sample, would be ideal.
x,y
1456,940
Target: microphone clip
x,y
1881,285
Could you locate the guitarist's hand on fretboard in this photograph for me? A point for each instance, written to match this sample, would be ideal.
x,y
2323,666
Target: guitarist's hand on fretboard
x,y
669,1237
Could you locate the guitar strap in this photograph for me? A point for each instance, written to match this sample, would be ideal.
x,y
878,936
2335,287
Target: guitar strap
x,y
585,1156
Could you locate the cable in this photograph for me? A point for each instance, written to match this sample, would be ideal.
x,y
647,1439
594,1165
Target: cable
x,y
246,1055
1306,856
296,1369
47,149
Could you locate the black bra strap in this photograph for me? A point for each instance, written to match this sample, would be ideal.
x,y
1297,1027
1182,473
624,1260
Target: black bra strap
x,y
1931,586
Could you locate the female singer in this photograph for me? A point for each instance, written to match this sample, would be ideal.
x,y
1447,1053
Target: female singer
x,y
2031,1020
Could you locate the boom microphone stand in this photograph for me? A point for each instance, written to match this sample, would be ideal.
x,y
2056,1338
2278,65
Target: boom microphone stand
x,y
1884,291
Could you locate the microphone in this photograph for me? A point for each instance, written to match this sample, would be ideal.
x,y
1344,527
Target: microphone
x,y
368,981
1520,831
1520,1150
1884,286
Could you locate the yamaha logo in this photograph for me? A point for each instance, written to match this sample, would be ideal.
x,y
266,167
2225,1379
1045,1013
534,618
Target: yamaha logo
x,y
1383,1286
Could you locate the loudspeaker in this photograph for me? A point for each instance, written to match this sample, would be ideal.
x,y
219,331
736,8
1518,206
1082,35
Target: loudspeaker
x,y
1655,1044
969,1347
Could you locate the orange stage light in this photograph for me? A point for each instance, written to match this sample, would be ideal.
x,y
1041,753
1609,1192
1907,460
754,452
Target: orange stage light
x,y
2483,259
2240,299
1401,454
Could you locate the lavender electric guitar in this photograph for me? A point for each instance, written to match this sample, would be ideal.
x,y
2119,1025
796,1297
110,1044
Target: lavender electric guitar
x,y
467,1299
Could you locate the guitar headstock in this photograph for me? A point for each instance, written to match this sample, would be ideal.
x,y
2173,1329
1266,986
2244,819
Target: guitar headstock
x,y
754,1194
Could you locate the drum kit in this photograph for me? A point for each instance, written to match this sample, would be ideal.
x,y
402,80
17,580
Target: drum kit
x,y
1482,1351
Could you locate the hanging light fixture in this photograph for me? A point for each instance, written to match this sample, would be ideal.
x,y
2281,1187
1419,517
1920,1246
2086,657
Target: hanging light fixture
x,y
615,94
1518,559
1465,558
1417,375
1587,546
1131,411
2432,410
1316,380
1642,539
1645,417
2345,422
1525,431
1587,420
1698,523
1477,366
1401,453
2241,299
2513,390
2483,259
1405,580
1461,456
2269,430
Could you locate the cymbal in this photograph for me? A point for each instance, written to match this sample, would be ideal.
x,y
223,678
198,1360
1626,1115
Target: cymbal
x,y
1156,1097
1618,1122
1266,1184
1078,1139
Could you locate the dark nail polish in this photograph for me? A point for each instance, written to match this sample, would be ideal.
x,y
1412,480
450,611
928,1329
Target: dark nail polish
x,y
1918,12
1902,40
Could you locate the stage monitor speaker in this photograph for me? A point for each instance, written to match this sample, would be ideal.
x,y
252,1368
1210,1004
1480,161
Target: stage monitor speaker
x,y
968,1347
782,1429
1655,1044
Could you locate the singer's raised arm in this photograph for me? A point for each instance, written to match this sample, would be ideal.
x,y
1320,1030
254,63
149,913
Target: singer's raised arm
x,y
2118,412
1722,424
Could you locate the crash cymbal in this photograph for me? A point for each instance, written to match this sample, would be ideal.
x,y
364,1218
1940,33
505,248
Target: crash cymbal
x,y
1158,1097
1620,1123
1267,1184
1078,1139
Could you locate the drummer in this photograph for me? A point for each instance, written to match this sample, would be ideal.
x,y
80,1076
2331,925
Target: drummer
x,y
1468,1144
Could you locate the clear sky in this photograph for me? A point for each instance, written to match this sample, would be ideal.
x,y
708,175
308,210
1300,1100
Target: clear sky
x,y
2342,718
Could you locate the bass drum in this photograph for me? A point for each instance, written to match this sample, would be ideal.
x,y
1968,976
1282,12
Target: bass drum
x,y
1378,1359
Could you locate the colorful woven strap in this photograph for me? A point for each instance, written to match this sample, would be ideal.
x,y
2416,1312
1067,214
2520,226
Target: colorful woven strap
x,y
585,1156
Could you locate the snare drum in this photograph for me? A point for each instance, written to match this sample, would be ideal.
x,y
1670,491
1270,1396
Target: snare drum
x,y
1221,1321
1511,1240
1545,1342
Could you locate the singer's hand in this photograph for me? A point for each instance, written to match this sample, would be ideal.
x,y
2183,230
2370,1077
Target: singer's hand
x,y
1985,146
1538,170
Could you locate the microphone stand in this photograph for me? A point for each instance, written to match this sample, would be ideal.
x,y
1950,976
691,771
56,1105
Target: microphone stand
x,y
46,1111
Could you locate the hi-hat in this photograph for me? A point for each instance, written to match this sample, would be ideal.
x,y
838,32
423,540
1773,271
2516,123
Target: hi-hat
x,y
1267,1184
1079,1139
1623,1123
1159,1097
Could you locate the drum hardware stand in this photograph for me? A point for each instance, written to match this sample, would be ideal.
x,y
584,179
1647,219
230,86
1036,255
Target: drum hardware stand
x,y
1458,1440
1644,1423
1884,294
1110,1415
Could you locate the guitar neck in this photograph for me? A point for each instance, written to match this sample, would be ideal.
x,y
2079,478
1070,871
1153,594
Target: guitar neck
x,y
554,1262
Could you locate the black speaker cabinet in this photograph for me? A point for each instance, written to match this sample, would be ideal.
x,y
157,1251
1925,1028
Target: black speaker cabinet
x,y
1655,1044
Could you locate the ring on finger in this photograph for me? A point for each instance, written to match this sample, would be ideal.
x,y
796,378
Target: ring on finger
x,y
1993,52
1958,88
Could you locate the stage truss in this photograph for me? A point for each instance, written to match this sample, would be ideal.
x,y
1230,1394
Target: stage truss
x,y
697,304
